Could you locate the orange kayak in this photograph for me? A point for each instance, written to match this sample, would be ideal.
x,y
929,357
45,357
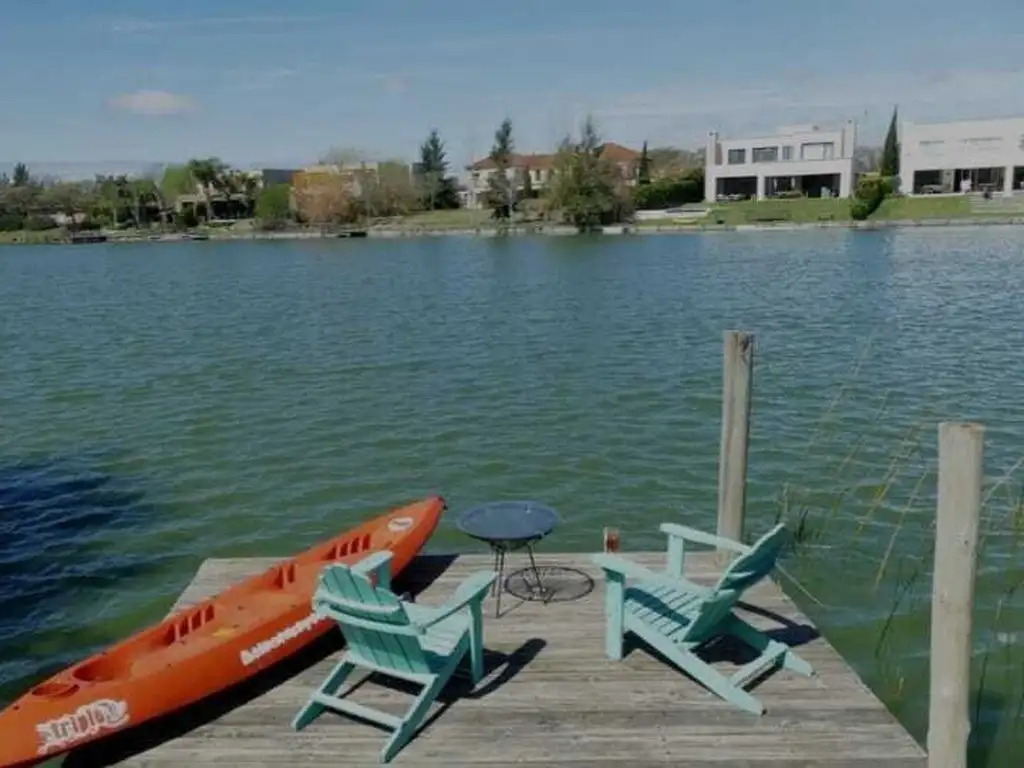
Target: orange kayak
x,y
201,649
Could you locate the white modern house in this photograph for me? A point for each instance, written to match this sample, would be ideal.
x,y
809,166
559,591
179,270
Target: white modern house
x,y
801,160
962,156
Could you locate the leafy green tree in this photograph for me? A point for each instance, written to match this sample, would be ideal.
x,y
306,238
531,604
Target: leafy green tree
x,y
891,151
500,184
210,173
273,206
644,169
587,188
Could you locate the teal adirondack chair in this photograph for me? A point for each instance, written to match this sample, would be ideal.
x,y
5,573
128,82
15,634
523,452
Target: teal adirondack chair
x,y
676,617
387,635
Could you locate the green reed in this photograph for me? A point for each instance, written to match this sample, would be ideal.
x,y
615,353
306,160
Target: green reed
x,y
904,567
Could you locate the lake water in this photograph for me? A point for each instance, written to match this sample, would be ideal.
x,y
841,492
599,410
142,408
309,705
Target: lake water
x,y
162,404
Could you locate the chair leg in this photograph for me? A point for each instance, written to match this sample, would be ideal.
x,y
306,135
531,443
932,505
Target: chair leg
x,y
717,683
760,642
411,722
703,673
614,608
476,643
313,709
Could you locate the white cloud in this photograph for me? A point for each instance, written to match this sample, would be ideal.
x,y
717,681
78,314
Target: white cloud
x,y
154,103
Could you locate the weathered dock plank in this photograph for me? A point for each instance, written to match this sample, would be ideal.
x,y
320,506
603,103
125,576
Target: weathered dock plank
x,y
551,697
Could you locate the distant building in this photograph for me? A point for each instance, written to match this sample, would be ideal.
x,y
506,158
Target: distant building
x,y
539,167
796,161
962,156
270,176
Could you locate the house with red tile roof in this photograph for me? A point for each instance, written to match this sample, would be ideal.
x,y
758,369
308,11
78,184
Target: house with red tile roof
x,y
540,167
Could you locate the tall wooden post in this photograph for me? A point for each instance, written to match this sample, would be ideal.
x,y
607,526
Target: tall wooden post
x,y
737,379
961,449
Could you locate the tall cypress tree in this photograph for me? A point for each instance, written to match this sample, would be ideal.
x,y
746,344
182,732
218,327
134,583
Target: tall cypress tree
x,y
891,150
644,168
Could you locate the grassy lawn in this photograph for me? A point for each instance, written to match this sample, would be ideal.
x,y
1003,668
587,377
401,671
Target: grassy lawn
x,y
461,218
32,238
925,207
807,210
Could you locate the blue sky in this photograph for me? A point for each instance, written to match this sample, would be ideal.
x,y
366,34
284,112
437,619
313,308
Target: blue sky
x,y
258,82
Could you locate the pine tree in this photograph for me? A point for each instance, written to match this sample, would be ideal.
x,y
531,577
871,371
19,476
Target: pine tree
x,y
644,169
501,186
891,150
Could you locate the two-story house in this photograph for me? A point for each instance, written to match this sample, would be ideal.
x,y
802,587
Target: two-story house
x,y
962,156
539,167
797,161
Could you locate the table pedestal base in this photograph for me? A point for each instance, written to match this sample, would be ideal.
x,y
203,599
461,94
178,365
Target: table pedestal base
x,y
500,551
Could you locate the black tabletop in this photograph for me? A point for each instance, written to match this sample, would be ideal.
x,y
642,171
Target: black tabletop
x,y
511,521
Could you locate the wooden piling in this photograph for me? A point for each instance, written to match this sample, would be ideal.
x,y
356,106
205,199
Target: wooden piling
x,y
737,379
961,449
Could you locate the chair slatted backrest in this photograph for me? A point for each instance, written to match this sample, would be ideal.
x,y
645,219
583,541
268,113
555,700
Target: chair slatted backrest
x,y
372,619
744,572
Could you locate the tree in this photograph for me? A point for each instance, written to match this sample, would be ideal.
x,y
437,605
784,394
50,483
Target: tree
x,y
500,185
21,177
644,170
526,192
891,150
324,197
273,206
439,190
209,173
388,190
587,188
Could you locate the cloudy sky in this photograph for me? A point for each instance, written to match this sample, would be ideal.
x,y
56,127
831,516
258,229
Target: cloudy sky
x,y
261,82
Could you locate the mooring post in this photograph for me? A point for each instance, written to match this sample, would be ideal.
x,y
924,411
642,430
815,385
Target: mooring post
x,y
961,450
737,379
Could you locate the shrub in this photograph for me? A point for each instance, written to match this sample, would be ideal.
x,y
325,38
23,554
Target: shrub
x,y
34,223
670,192
869,194
11,221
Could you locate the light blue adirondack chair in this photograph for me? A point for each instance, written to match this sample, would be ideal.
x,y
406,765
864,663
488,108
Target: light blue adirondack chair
x,y
676,617
387,635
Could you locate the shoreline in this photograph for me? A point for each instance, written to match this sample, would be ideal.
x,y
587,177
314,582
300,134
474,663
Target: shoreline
x,y
552,230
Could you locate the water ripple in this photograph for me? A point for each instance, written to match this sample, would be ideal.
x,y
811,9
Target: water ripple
x,y
166,404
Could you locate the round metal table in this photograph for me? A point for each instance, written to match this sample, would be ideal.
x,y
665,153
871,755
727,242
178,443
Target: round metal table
x,y
506,526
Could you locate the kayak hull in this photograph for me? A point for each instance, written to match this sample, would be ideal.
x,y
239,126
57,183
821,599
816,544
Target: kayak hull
x,y
201,649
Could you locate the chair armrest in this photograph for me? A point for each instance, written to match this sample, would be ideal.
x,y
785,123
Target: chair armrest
x,y
469,592
623,567
378,563
700,537
627,569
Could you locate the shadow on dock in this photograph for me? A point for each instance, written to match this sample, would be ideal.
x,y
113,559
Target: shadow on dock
x,y
416,580
545,702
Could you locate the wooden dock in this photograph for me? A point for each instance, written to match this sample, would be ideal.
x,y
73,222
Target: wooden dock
x,y
550,696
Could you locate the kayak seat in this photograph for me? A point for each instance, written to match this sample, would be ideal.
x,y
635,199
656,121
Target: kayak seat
x,y
389,636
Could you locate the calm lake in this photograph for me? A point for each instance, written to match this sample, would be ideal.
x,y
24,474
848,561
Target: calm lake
x,y
162,404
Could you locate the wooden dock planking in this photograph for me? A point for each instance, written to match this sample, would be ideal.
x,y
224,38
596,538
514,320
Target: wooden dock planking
x,y
552,698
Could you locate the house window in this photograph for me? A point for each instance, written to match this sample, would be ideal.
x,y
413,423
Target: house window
x,y
764,155
787,153
737,156
823,150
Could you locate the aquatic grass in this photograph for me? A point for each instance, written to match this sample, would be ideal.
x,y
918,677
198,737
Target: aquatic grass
x,y
905,563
